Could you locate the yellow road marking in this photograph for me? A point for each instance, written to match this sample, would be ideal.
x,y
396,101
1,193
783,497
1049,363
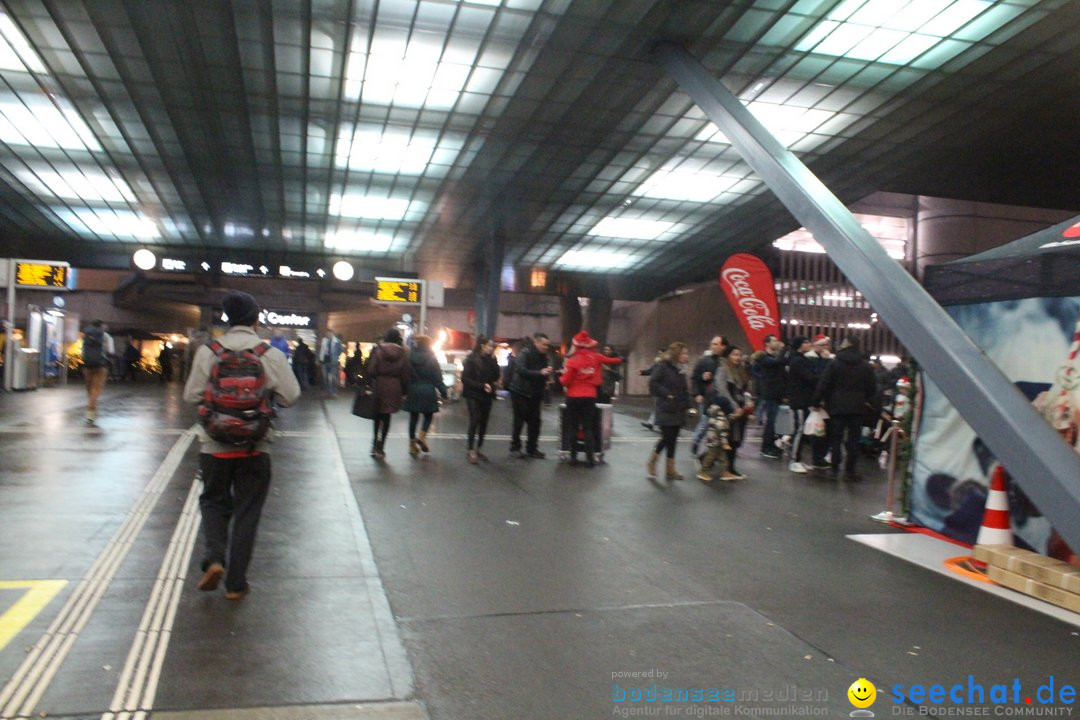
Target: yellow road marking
x,y
37,596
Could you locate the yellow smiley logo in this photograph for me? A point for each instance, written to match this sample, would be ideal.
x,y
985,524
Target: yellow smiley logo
x,y
862,693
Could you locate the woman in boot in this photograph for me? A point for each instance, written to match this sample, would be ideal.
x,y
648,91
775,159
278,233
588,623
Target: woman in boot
x,y
479,380
422,398
671,397
388,373
731,381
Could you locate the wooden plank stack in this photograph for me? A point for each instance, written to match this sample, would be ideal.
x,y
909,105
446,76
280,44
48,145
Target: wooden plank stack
x,y
1046,578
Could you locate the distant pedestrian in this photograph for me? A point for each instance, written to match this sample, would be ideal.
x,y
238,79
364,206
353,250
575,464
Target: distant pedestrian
x,y
422,394
388,372
731,382
582,377
236,478
671,397
97,349
479,380
302,359
330,350
847,390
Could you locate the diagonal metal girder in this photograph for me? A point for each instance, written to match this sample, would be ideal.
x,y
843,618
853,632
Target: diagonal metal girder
x,y
1046,467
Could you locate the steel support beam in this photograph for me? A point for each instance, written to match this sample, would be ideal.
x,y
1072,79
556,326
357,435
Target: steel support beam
x,y
1046,467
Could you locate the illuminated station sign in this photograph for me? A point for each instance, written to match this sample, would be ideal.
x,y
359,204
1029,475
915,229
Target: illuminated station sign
x,y
278,319
401,291
239,269
38,274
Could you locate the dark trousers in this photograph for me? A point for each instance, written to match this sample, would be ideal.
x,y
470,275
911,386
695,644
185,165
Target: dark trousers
x,y
526,412
669,438
839,427
414,419
768,433
479,412
234,490
382,429
581,413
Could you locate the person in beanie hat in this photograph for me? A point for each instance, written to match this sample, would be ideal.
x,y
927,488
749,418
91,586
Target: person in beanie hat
x,y
236,480
582,376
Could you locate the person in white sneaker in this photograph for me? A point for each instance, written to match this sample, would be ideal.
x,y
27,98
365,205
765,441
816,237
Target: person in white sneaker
x,y
802,380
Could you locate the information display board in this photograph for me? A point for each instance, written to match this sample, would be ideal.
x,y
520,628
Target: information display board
x,y
401,291
37,274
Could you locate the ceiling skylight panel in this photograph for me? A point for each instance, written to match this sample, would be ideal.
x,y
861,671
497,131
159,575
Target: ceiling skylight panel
x,y
122,224
76,184
954,17
877,43
15,52
358,241
36,121
631,228
915,14
596,260
685,184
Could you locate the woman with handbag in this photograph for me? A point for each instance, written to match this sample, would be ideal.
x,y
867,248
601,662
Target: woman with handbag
x,y
388,373
731,381
479,379
422,394
671,398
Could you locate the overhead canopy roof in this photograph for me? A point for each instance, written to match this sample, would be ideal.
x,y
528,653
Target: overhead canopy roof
x,y
1043,264
405,134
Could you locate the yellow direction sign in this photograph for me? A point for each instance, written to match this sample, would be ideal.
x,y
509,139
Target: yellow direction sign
x,y
397,291
37,596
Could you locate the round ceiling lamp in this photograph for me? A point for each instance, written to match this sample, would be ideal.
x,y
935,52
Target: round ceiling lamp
x,y
144,259
343,270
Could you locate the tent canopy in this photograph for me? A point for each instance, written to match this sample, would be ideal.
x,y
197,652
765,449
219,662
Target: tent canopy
x,y
1043,264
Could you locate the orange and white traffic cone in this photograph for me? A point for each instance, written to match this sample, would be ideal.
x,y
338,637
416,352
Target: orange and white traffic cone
x,y
996,529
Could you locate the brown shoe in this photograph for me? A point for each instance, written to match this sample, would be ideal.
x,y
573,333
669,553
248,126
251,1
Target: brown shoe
x,y
237,595
212,577
473,458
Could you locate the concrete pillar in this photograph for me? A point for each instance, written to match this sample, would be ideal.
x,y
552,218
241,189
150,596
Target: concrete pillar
x,y
598,318
488,279
570,316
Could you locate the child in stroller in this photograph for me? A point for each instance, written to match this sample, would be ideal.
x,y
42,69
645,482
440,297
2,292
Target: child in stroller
x,y
716,443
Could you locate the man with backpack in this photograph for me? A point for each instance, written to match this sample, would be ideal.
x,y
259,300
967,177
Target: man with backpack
x,y
233,380
97,351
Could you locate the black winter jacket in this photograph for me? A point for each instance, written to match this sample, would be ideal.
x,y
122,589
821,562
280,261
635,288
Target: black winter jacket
x,y
479,370
770,375
848,386
528,380
667,385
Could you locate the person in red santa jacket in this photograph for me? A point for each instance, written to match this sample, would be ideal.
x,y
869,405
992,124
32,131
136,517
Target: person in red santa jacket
x,y
581,377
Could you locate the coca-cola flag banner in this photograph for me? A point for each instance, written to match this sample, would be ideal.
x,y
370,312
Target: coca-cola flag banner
x,y
748,285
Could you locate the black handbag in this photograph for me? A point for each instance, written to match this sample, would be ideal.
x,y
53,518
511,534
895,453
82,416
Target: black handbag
x,y
365,404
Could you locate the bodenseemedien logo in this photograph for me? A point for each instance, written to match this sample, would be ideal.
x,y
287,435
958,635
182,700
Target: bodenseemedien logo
x,y
862,694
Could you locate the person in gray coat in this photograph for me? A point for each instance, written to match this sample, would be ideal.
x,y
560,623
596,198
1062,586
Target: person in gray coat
x,y
671,397
422,394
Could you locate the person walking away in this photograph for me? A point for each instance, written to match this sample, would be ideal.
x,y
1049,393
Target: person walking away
x,y
165,361
770,372
582,376
236,478
531,373
422,393
354,367
802,381
329,357
301,362
479,379
731,383
671,398
97,348
388,372
702,382
130,359
847,389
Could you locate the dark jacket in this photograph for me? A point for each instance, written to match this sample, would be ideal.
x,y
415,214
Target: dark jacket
x,y
425,383
479,370
804,372
528,380
701,386
668,386
770,376
388,372
847,387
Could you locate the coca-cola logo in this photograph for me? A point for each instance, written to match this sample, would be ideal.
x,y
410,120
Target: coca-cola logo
x,y
754,309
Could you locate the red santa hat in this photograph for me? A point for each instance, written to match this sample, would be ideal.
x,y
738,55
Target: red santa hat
x,y
582,340
903,383
821,339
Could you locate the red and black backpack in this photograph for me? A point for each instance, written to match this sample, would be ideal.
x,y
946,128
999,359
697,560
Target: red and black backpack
x,y
235,408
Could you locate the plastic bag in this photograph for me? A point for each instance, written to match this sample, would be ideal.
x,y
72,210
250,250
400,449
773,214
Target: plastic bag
x,y
815,423
785,420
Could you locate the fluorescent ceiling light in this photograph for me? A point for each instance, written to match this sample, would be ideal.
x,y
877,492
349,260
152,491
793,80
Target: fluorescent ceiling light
x,y
788,123
343,270
632,228
890,31
368,206
77,184
414,76
34,120
596,260
685,185
15,52
389,150
120,223
358,241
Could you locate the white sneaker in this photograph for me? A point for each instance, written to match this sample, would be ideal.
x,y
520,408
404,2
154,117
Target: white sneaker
x,y
797,467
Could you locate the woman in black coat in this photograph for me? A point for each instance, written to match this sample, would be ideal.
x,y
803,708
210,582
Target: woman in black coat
x,y
422,394
479,379
671,397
